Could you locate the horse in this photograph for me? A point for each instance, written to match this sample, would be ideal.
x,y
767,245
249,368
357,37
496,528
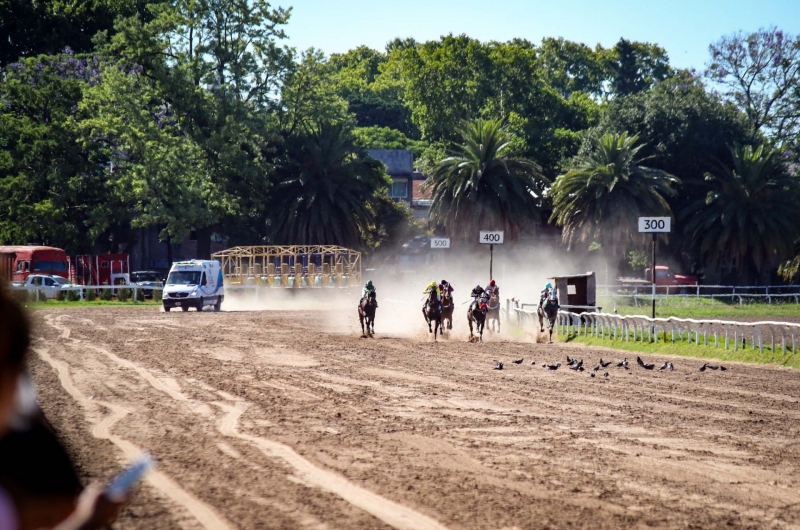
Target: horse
x,y
550,310
493,313
366,311
432,314
447,308
477,314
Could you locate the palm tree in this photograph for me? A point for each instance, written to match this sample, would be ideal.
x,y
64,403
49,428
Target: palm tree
x,y
606,189
749,215
485,184
327,191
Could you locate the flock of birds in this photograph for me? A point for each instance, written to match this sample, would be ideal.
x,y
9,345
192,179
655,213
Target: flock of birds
x,y
576,365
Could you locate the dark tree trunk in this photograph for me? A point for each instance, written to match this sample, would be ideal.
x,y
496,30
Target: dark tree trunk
x,y
204,242
169,251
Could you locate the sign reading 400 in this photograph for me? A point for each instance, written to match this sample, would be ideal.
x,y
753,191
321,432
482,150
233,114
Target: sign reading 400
x,y
491,238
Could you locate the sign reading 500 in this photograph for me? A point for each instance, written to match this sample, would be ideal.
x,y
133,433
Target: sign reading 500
x,y
491,238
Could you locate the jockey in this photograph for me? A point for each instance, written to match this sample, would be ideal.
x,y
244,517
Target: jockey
x,y
476,294
369,288
492,290
435,289
445,287
545,294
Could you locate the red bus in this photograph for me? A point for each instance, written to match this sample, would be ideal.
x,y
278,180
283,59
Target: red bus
x,y
37,260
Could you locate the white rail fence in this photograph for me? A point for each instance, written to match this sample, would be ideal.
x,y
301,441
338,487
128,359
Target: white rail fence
x,y
742,294
777,336
717,333
41,293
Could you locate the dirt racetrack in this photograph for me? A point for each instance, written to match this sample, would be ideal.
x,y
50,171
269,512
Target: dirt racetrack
x,y
282,420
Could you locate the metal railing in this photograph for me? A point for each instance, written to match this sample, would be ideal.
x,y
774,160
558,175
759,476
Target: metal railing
x,y
630,328
740,293
40,293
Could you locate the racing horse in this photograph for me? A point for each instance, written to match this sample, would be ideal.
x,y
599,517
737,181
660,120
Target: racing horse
x,y
550,310
477,315
493,313
366,311
432,314
447,309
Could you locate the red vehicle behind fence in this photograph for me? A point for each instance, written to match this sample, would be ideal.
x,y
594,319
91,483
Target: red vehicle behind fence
x,y
36,260
101,269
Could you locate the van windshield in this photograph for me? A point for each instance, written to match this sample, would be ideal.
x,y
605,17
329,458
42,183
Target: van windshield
x,y
184,278
145,277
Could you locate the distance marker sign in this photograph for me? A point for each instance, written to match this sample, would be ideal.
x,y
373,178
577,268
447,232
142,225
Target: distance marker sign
x,y
655,224
440,242
491,238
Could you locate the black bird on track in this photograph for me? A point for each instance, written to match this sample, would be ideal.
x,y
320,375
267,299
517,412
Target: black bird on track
x,y
703,368
554,366
533,363
664,366
605,374
712,367
592,374
604,364
498,366
570,361
723,368
646,366
623,363
518,361
596,368
671,367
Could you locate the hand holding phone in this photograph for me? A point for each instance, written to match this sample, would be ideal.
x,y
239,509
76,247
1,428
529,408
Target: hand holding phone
x,y
120,486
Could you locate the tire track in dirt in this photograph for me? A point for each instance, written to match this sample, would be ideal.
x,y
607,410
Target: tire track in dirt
x,y
390,512
204,514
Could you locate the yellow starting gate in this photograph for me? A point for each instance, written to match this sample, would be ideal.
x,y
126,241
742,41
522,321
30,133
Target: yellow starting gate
x,y
293,266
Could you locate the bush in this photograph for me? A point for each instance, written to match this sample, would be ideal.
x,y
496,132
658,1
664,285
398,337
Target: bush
x,y
61,295
73,296
157,295
91,295
123,295
106,295
21,295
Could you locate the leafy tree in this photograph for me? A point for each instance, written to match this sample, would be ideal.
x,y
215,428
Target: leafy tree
x,y
636,66
571,67
30,27
760,73
52,188
747,221
386,138
484,184
606,189
327,189
154,169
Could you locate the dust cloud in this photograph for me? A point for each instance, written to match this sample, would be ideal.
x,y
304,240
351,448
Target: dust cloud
x,y
520,271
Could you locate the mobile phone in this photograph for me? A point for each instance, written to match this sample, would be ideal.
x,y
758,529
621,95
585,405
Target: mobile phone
x,y
119,487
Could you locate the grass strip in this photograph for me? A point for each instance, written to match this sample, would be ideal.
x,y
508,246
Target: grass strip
x,y
684,349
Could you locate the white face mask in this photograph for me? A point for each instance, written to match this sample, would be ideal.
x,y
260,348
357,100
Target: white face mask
x,y
26,404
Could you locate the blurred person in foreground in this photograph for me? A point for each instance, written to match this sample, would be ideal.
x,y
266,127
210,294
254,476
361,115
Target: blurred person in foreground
x,y
39,487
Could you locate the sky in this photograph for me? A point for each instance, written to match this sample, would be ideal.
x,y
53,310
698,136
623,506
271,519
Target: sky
x,y
684,28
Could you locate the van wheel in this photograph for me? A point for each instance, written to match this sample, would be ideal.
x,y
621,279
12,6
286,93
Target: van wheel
x,y
184,308
200,305
218,305
166,309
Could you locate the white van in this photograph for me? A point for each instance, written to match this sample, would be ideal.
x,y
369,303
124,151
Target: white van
x,y
195,283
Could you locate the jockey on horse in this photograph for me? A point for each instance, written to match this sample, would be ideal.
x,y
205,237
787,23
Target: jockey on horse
x,y
493,290
369,288
445,287
545,294
477,295
435,288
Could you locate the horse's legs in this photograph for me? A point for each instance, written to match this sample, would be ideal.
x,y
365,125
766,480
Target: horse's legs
x,y
427,320
541,320
361,320
470,326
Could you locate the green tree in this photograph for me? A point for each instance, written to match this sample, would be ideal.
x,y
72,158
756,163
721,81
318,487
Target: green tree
x,y
571,67
748,219
636,66
327,189
484,184
606,189
386,138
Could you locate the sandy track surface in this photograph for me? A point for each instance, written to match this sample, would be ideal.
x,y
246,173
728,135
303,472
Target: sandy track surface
x,y
267,420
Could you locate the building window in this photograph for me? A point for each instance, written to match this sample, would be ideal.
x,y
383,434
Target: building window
x,y
399,189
